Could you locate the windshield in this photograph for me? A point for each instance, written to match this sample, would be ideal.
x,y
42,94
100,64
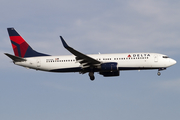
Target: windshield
x,y
165,56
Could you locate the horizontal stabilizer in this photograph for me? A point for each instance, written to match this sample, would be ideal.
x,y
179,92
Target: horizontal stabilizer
x,y
15,58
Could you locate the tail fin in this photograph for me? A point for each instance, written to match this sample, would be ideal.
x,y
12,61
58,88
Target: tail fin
x,y
20,46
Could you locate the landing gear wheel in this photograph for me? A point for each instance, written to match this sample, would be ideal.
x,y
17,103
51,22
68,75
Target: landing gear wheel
x,y
91,75
158,73
92,78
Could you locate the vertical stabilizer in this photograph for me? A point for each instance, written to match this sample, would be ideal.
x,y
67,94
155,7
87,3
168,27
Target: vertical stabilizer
x,y
20,46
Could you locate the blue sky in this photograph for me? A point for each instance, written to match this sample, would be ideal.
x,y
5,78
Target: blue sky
x,y
94,26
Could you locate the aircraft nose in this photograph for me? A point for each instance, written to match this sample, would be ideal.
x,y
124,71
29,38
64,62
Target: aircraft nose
x,y
173,62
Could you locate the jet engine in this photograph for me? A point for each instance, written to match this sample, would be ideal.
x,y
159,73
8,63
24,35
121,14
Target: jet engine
x,y
109,69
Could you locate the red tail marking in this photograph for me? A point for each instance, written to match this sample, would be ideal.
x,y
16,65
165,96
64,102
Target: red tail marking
x,y
24,46
14,47
15,50
22,43
17,39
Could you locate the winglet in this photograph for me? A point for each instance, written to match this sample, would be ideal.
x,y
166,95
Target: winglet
x,y
63,42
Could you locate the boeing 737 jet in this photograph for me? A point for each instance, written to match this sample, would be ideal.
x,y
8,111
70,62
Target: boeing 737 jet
x,y
105,64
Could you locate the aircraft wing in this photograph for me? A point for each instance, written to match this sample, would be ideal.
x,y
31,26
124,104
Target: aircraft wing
x,y
83,59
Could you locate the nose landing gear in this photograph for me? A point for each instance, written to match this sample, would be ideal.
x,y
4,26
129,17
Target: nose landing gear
x,y
160,70
159,73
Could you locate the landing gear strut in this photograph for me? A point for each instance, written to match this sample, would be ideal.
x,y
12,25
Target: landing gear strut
x,y
91,75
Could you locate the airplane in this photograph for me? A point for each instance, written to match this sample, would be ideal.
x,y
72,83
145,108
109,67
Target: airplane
x,y
108,65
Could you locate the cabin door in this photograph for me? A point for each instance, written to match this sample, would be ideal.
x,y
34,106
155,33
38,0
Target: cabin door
x,y
155,58
38,63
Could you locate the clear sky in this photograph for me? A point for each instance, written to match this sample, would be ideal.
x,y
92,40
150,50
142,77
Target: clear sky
x,y
105,26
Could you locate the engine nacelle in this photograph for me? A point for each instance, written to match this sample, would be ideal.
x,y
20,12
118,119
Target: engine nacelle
x,y
109,69
109,74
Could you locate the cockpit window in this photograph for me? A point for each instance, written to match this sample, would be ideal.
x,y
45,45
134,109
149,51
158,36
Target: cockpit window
x,y
165,57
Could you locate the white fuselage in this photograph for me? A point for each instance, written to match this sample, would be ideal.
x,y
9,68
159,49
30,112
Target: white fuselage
x,y
106,64
125,61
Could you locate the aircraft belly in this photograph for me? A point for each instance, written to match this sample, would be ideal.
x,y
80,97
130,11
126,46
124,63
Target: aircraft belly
x,y
58,66
75,69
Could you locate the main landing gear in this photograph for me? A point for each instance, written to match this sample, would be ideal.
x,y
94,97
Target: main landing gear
x,y
91,75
